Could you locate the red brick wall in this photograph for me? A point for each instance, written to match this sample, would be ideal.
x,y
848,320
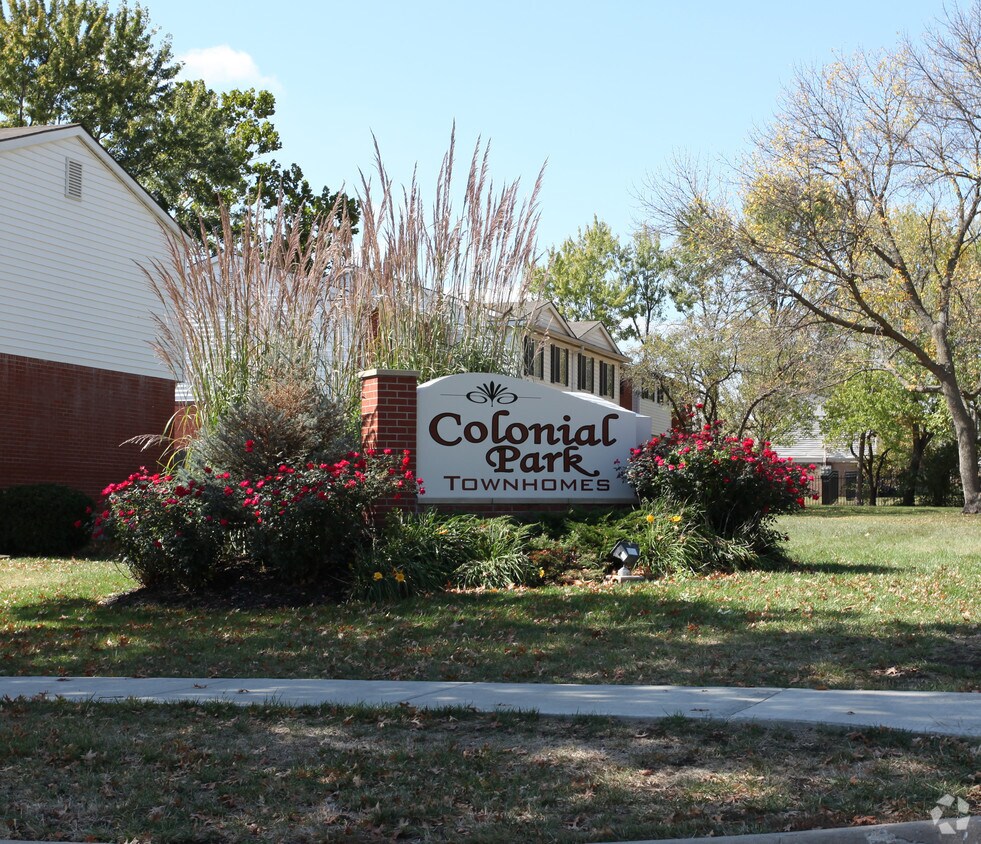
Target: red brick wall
x,y
185,423
388,418
61,423
627,395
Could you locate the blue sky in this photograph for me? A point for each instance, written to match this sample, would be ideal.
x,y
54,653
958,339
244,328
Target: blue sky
x,y
607,93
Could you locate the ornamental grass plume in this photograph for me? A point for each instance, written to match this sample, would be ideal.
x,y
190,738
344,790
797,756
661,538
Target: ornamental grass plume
x,y
440,290
242,299
435,290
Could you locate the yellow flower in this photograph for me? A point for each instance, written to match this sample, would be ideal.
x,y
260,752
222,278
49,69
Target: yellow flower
x,y
399,577
676,519
541,572
378,575
650,518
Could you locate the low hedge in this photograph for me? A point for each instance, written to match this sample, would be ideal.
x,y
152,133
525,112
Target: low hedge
x,y
43,520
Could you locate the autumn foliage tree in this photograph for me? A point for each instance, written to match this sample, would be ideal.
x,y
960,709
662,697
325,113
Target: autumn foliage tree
x,y
861,202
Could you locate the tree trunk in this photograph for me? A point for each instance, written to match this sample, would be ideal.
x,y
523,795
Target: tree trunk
x,y
876,477
921,439
873,481
966,432
860,480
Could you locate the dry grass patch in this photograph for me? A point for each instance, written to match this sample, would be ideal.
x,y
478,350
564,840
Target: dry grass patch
x,y
177,773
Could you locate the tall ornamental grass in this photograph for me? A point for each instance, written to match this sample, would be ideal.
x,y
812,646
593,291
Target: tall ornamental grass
x,y
444,288
436,289
241,300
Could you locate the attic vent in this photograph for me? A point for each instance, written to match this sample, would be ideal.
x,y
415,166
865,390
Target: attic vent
x,y
73,178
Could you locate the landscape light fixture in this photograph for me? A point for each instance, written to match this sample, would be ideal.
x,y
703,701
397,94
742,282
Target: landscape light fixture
x,y
627,554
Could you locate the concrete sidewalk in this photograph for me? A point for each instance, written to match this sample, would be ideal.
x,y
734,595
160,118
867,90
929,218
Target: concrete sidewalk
x,y
948,713
915,832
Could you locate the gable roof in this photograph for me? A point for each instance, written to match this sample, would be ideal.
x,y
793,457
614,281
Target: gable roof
x,y
22,131
583,327
545,316
600,334
22,136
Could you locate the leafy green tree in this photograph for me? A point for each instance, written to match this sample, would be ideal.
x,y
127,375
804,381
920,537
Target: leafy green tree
x,y
859,415
649,273
595,277
76,61
879,419
79,61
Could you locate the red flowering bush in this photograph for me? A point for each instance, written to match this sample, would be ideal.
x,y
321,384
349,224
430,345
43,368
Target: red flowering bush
x,y
299,524
738,484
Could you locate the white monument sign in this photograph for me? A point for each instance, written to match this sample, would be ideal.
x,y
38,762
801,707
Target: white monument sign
x,y
495,438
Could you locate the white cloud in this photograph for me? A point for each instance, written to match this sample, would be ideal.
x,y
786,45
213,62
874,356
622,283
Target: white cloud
x,y
222,68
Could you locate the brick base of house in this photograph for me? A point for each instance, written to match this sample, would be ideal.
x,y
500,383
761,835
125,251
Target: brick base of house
x,y
62,423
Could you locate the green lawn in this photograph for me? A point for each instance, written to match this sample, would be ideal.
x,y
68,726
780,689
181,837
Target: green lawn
x,y
888,598
883,599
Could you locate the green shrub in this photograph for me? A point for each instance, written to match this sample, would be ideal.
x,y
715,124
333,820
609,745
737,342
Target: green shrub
x,y
43,520
286,420
595,538
557,561
414,554
677,539
302,525
500,557
174,531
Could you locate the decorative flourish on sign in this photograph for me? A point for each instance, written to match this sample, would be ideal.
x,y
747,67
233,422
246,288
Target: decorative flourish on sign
x,y
492,393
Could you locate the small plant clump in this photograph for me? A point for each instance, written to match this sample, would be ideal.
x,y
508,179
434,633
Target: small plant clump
x,y
739,485
300,524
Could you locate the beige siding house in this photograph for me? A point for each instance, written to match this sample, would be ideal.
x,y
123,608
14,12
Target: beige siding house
x,y
77,373
582,357
74,231
576,356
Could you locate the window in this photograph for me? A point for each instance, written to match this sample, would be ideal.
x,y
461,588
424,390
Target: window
x,y
586,366
560,366
651,394
607,379
534,358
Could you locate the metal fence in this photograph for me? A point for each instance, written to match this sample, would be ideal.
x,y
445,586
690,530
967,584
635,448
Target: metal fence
x,y
836,488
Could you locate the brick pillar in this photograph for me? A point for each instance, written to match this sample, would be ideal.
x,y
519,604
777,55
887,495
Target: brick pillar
x,y
388,417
